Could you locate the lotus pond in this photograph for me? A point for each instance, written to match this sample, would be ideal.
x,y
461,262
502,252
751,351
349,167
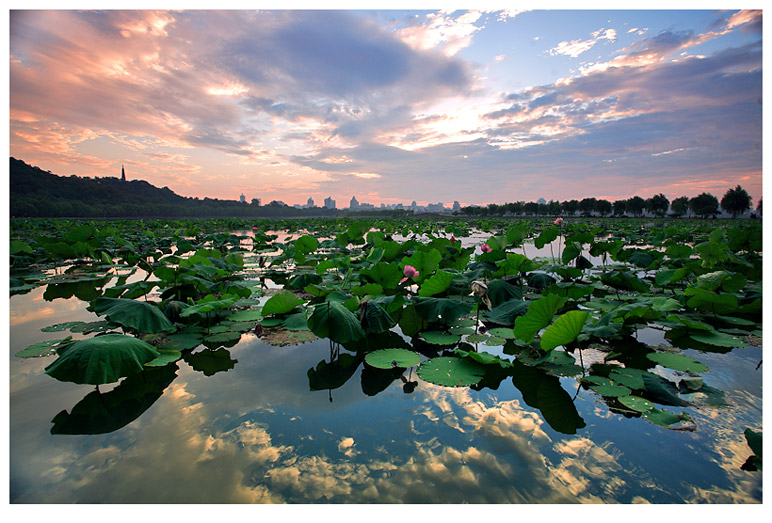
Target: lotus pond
x,y
386,361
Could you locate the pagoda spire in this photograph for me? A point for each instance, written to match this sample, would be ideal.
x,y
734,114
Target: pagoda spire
x,y
123,174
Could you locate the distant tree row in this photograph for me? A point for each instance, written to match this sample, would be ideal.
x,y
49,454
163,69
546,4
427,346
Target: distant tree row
x,y
735,202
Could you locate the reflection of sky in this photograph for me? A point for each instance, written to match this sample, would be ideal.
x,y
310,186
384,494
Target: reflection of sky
x,y
257,434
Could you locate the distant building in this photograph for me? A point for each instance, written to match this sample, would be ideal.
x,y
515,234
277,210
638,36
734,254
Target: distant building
x,y
243,199
310,203
541,201
456,206
123,174
329,203
354,204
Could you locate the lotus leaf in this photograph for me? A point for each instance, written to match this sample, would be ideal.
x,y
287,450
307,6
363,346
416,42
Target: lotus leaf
x,y
436,284
440,338
102,359
677,362
392,358
563,330
636,403
443,310
43,348
281,303
539,315
210,361
138,315
333,320
611,390
451,372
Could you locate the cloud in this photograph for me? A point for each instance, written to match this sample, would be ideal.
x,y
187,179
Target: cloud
x,y
576,47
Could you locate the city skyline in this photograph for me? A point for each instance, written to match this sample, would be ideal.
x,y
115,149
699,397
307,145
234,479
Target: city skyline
x,y
393,106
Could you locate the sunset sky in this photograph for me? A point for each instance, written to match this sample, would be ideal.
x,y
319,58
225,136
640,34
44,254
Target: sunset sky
x,y
393,106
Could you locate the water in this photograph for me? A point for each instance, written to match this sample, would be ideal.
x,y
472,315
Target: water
x,y
256,433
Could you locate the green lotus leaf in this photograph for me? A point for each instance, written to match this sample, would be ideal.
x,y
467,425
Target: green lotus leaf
x,y
306,244
392,358
102,359
301,281
333,320
281,303
440,338
636,403
462,331
443,310
484,358
138,315
495,341
718,339
629,377
539,315
436,284
664,418
611,390
246,315
500,291
164,358
506,313
387,275
287,338
502,332
295,322
224,338
43,348
425,262
476,338
711,301
677,362
369,288
451,372
375,318
180,342
597,380
58,327
563,330
410,322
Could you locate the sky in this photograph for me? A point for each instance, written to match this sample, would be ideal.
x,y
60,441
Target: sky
x,y
391,106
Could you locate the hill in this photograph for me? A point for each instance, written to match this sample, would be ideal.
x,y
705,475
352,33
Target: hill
x,y
38,193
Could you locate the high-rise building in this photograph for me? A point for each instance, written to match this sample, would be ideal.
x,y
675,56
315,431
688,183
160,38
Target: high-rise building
x,y
329,203
310,202
456,206
354,204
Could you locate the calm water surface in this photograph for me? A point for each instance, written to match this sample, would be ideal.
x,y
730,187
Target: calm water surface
x,y
254,432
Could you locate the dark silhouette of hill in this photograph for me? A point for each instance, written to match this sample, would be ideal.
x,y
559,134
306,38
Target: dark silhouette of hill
x,y
38,193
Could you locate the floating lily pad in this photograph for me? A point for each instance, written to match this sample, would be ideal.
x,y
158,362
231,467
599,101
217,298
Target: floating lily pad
x,y
611,390
59,327
502,332
476,338
392,358
495,341
180,342
246,315
164,358
43,348
440,338
451,372
636,403
677,362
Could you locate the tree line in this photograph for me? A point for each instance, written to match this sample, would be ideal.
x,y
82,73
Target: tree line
x,y
736,201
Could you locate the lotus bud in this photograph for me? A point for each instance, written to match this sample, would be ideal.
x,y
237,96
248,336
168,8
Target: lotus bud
x,y
485,248
410,271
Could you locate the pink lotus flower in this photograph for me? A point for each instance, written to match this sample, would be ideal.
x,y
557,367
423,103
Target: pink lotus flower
x,y
485,248
254,228
410,272
453,239
558,221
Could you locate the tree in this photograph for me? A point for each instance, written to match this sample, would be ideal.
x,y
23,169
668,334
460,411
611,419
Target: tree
x,y
635,205
704,205
657,205
680,206
603,207
620,206
736,201
587,205
569,207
